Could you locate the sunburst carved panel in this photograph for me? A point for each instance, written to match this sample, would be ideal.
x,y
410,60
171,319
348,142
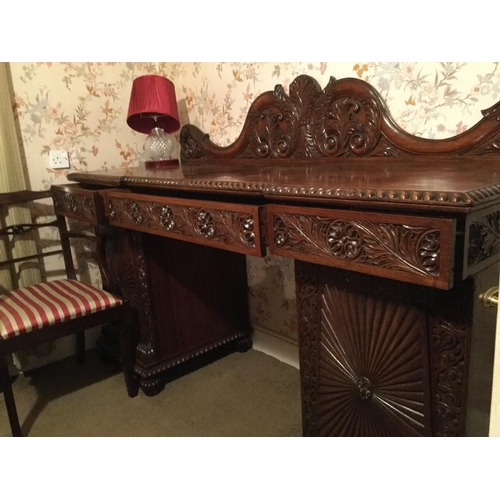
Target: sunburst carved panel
x,y
370,377
370,367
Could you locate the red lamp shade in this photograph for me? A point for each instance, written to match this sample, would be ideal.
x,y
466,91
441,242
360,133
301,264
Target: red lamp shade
x,y
153,95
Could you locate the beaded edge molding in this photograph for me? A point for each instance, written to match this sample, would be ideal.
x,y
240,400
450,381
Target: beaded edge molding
x,y
467,198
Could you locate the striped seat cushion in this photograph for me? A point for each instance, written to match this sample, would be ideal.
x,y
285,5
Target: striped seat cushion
x,y
46,304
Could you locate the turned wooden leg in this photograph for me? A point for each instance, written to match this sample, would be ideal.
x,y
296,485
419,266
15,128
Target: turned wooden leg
x,y
9,398
128,347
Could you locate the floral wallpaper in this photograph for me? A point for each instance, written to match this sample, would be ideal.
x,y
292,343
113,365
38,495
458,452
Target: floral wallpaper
x,y
82,107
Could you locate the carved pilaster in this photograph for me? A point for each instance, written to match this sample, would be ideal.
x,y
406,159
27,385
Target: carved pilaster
x,y
308,313
145,349
449,349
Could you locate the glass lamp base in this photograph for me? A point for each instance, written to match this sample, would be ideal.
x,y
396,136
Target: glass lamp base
x,y
159,164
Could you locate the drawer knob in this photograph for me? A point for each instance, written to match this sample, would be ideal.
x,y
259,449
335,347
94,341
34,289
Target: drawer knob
x,y
490,297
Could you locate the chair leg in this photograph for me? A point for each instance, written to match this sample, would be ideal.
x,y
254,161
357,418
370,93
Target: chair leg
x,y
128,348
9,398
80,348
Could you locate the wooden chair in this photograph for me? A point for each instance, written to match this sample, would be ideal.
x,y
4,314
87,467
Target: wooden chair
x,y
53,309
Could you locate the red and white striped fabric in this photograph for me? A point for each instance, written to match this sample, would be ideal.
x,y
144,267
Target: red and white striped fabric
x,y
45,304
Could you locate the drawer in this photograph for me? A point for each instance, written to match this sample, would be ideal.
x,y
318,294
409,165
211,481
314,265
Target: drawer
x,y
76,202
413,249
230,226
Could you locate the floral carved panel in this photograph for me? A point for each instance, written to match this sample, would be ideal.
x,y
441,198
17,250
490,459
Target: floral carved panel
x,y
408,248
220,225
75,205
483,240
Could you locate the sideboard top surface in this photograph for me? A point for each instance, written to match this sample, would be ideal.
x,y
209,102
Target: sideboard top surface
x,y
452,181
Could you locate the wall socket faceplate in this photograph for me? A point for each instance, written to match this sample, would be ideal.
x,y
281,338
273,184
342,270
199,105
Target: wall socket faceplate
x,y
59,159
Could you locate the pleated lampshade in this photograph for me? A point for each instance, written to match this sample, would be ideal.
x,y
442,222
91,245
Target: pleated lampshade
x,y
153,110
153,96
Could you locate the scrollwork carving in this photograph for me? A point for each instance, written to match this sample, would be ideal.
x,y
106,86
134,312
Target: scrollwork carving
x,y
309,306
428,252
484,238
205,224
449,350
191,139
347,118
74,204
343,240
346,126
194,222
134,213
248,230
280,231
399,247
307,123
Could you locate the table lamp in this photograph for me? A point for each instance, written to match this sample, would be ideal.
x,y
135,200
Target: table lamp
x,y
153,111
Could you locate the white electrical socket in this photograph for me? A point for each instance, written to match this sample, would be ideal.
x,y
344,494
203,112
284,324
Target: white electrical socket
x,y
59,159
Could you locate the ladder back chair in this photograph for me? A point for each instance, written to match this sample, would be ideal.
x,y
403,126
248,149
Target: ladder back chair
x,y
52,309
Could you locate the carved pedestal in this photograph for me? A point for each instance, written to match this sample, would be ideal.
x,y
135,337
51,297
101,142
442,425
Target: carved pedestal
x,y
382,358
190,299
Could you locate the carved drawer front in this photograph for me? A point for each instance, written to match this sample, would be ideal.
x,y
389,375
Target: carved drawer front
x,y
78,203
413,249
228,226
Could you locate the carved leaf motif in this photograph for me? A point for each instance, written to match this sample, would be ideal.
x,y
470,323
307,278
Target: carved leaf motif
x,y
308,302
274,130
231,228
347,118
397,247
484,238
391,246
346,125
449,346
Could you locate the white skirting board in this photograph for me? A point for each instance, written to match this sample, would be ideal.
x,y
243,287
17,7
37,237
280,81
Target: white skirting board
x,y
284,349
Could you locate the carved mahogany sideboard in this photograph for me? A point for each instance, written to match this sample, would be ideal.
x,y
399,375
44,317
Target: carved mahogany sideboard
x,y
394,238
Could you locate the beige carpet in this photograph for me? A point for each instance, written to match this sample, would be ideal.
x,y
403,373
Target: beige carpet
x,y
241,394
